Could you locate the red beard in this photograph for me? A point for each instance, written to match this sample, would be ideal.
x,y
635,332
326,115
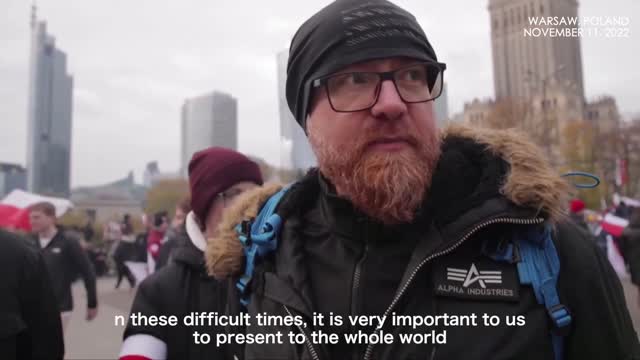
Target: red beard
x,y
387,186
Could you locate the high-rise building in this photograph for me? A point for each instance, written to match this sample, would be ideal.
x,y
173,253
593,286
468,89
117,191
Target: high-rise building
x,y
296,152
12,177
524,64
441,107
50,102
208,120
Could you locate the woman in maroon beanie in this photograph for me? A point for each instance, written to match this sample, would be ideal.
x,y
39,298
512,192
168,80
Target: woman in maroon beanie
x,y
216,177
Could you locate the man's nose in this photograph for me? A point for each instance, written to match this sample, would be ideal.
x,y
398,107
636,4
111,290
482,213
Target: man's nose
x,y
389,105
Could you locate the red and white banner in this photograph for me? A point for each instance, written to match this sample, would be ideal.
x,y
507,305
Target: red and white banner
x,y
616,259
622,176
627,200
14,208
614,224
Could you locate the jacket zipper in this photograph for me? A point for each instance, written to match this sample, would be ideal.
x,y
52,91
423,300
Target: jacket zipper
x,y
433,352
312,351
356,286
354,290
356,279
369,349
358,269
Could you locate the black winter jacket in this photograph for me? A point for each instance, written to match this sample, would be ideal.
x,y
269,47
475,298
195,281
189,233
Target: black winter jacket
x,y
65,260
165,255
487,186
30,326
180,288
579,220
630,246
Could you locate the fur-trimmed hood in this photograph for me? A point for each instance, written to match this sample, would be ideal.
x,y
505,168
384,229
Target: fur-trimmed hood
x,y
529,182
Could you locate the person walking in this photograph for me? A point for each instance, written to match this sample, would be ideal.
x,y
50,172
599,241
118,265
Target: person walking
x,y
65,259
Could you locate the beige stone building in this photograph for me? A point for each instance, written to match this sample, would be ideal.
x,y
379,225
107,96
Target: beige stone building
x,y
110,201
104,209
539,79
477,112
523,63
544,71
552,111
603,114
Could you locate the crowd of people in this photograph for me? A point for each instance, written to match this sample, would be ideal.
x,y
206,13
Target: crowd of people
x,y
625,243
38,301
591,221
399,217
629,243
148,250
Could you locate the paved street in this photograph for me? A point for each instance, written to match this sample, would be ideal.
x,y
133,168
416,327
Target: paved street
x,y
631,294
100,339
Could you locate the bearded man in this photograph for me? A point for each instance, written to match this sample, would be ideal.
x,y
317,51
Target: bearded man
x,y
401,218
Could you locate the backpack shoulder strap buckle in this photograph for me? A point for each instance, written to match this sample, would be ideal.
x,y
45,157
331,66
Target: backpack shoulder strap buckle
x,y
561,317
259,237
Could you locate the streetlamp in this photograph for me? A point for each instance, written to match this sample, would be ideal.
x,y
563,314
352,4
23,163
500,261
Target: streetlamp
x,y
544,81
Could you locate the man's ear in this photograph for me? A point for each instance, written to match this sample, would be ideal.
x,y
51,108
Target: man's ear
x,y
305,128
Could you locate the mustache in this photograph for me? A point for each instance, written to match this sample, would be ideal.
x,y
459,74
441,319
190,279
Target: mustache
x,y
368,139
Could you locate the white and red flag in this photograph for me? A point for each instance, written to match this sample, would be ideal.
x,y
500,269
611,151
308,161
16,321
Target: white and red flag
x,y
622,172
14,208
614,224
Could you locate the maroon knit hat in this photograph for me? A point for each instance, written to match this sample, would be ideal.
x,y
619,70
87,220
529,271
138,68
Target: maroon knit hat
x,y
214,170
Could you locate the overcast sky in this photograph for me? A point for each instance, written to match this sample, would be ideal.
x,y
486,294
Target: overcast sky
x,y
135,61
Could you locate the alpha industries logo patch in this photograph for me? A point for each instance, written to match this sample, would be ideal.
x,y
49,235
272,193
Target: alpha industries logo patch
x,y
468,277
477,280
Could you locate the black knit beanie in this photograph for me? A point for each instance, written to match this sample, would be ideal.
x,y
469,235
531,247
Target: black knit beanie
x,y
344,33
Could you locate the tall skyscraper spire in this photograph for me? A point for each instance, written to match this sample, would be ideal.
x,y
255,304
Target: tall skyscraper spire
x,y
34,17
50,109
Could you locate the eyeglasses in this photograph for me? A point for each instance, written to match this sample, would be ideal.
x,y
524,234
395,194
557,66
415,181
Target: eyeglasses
x,y
357,91
228,196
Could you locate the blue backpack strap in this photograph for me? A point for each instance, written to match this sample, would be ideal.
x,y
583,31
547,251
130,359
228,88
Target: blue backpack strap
x,y
259,237
539,266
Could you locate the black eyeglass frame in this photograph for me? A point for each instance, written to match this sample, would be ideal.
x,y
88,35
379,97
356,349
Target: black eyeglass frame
x,y
386,75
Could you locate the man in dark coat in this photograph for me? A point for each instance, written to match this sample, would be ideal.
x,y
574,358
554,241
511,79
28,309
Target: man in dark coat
x,y
216,177
65,259
172,238
125,251
630,247
402,219
30,326
623,210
